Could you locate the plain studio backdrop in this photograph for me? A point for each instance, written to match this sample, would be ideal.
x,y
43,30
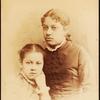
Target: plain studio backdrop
x,y
21,24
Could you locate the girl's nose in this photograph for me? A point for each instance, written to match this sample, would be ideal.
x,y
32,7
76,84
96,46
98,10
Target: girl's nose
x,y
33,67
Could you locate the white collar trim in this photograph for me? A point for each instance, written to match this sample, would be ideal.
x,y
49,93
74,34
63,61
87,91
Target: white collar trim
x,y
58,46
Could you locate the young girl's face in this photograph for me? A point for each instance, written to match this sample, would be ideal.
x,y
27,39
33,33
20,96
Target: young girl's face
x,y
32,64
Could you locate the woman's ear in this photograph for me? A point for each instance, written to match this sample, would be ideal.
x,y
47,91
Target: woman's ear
x,y
67,29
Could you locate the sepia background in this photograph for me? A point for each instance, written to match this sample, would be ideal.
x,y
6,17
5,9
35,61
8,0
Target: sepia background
x,y
20,24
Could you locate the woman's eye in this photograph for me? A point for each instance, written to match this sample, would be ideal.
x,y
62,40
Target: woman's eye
x,y
45,27
38,62
28,62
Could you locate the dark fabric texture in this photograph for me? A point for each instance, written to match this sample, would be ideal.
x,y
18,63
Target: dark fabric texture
x,y
62,69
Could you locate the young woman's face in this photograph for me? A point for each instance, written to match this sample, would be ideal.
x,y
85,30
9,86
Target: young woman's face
x,y
54,32
32,64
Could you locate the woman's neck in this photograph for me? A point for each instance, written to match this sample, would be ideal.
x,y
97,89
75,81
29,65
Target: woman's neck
x,y
55,47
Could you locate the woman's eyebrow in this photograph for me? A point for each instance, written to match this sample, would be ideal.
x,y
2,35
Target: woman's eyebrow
x,y
53,25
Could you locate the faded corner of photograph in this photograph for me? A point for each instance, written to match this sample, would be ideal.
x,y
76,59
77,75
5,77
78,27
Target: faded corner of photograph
x,y
49,50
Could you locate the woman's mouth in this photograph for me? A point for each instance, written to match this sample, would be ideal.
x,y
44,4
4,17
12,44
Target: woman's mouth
x,y
48,39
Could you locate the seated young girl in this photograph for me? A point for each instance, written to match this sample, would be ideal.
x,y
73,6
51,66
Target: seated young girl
x,y
31,74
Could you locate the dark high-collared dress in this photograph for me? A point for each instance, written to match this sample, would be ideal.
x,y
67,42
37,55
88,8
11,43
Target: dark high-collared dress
x,y
67,69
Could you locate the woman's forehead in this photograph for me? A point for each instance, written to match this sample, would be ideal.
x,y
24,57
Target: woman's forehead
x,y
49,21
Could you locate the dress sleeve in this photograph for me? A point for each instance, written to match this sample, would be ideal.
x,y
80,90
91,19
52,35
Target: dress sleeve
x,y
85,70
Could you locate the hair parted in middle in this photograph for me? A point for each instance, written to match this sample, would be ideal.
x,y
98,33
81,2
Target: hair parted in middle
x,y
30,48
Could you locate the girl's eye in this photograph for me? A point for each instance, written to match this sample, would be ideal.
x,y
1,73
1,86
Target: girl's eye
x,y
53,27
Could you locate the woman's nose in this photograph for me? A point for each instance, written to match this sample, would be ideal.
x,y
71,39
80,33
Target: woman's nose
x,y
32,69
49,31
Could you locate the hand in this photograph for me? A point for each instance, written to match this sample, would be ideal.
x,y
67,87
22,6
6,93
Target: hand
x,y
41,81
